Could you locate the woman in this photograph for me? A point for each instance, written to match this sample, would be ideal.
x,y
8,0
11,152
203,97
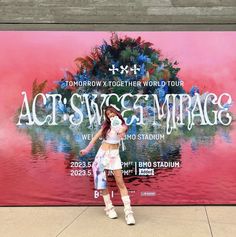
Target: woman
x,y
107,158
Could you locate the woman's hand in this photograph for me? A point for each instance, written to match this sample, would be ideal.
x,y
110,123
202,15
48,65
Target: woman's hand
x,y
82,152
91,144
121,135
87,149
121,129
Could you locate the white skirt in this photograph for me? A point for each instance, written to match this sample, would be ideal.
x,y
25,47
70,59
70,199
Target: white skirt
x,y
110,159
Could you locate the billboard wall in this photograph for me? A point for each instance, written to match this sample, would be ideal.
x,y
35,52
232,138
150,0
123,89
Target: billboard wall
x,y
175,90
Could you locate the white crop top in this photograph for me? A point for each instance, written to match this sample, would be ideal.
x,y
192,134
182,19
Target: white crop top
x,y
112,137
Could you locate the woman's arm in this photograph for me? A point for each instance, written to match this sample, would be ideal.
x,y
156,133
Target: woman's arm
x,y
122,131
124,128
91,143
96,136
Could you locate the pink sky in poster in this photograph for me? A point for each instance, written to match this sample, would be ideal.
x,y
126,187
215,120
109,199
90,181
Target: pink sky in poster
x,y
206,59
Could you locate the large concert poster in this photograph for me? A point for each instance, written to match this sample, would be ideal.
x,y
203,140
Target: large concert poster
x,y
175,90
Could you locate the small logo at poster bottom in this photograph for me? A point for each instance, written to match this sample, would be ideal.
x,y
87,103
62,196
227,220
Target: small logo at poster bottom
x,y
146,171
97,194
148,194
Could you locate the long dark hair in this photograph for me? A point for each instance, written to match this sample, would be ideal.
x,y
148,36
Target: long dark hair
x,y
107,123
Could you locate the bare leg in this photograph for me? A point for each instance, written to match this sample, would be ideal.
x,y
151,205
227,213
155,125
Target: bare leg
x,y
120,182
125,197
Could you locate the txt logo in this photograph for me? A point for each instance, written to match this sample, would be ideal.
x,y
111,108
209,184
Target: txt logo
x,y
124,69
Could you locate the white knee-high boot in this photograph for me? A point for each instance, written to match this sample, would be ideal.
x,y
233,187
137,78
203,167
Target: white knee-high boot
x,y
109,209
129,217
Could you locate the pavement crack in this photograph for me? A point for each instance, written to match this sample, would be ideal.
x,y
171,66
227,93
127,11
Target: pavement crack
x,y
208,220
72,222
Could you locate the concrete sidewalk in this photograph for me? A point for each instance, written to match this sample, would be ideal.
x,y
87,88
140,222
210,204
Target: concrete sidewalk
x,y
158,221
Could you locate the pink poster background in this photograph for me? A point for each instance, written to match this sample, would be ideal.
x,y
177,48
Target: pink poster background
x,y
206,59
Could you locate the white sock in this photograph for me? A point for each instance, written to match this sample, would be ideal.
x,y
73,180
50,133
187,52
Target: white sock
x,y
107,199
126,201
